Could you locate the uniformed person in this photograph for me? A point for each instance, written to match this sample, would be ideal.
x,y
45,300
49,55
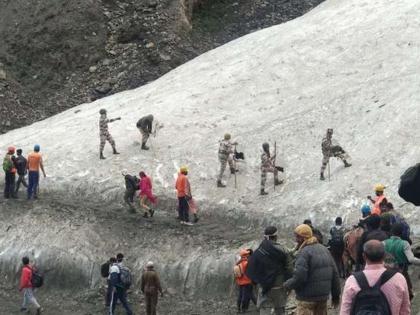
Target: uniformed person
x,y
104,134
226,151
268,166
330,150
145,127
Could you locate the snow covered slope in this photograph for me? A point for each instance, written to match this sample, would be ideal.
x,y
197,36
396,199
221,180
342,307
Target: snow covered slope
x,y
351,65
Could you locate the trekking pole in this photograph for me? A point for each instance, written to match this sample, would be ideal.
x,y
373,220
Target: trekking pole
x,y
234,166
329,171
274,164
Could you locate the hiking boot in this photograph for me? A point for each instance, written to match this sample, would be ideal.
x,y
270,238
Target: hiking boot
x,y
220,184
152,212
101,156
322,176
144,147
263,192
278,182
346,164
188,223
114,151
145,215
196,218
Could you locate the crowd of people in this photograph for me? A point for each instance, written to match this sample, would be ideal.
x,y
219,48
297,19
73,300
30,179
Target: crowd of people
x,y
373,256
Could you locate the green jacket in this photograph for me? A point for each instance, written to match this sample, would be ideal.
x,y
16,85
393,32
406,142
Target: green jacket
x,y
396,247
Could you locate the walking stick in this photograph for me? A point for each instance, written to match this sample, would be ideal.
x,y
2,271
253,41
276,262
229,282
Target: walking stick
x,y
275,156
234,166
329,171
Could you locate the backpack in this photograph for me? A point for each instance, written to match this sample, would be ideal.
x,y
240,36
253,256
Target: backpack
x,y
237,272
105,269
37,279
7,164
337,237
371,300
125,277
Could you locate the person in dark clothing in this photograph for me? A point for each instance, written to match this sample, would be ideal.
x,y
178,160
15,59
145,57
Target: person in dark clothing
x,y
336,244
269,266
20,164
373,232
317,233
315,276
9,173
131,185
119,292
150,286
145,127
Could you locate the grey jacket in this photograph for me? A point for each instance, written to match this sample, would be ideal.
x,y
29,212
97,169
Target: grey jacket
x,y
315,276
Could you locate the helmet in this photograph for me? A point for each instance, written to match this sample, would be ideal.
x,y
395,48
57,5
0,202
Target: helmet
x,y
365,209
266,146
11,149
227,136
102,111
183,169
37,148
379,188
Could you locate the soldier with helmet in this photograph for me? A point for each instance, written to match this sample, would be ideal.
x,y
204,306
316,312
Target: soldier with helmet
x,y
332,150
104,134
268,166
226,151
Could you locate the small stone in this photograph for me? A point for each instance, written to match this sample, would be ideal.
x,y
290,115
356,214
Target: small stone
x,y
165,57
121,74
150,45
112,52
103,89
2,74
106,62
93,69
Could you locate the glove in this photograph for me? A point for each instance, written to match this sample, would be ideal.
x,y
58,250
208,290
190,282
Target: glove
x,y
280,169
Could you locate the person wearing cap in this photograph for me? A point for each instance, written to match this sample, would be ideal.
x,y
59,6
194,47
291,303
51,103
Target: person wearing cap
x,y
270,266
331,150
145,127
104,134
268,166
20,163
183,191
34,164
315,276
226,151
9,173
131,185
379,199
150,286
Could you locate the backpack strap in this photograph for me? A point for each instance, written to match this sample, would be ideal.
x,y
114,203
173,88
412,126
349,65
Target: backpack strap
x,y
361,280
386,275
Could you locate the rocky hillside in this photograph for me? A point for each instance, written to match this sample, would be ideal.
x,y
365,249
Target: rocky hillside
x,y
56,54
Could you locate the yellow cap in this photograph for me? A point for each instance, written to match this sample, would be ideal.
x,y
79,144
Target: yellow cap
x,y
379,187
183,169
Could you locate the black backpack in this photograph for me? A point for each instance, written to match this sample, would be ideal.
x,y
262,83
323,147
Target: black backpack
x,y
37,279
371,300
105,269
337,237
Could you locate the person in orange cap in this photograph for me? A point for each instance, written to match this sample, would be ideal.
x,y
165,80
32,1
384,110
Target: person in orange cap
x,y
242,280
379,199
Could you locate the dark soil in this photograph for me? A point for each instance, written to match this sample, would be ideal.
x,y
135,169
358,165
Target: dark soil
x,y
56,54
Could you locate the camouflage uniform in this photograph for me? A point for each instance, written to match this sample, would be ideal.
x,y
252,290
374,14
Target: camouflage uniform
x,y
267,166
225,156
104,134
328,151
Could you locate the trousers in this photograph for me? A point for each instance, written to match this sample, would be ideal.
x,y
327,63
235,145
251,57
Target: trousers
x,y
33,184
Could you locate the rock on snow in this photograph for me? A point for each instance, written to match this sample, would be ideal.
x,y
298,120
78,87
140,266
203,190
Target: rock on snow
x,y
351,65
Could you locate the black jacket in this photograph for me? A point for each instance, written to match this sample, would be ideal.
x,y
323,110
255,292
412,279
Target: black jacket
x,y
131,183
20,164
315,276
269,265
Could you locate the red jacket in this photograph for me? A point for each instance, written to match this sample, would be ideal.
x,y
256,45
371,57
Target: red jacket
x,y
26,278
243,279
